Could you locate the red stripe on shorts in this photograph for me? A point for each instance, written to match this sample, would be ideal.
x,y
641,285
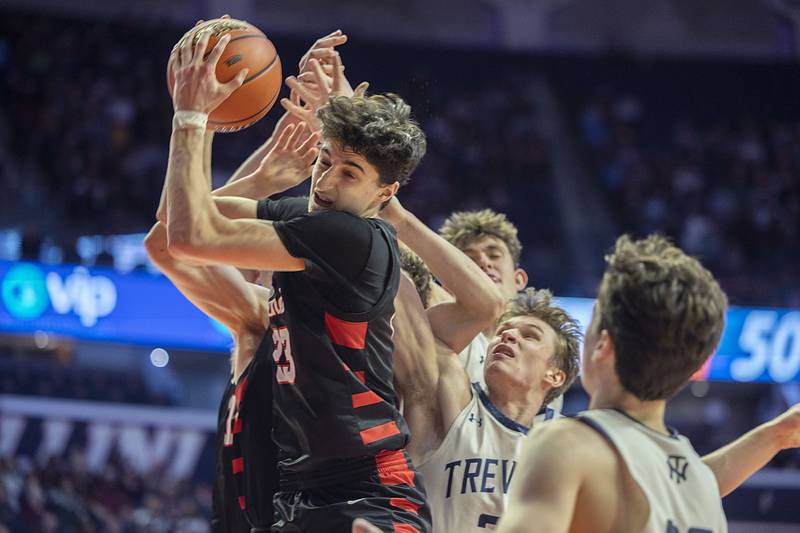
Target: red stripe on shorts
x,y
404,528
365,398
384,431
393,468
238,465
403,503
241,502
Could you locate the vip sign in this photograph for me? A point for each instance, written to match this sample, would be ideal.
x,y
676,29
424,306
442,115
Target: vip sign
x,y
27,292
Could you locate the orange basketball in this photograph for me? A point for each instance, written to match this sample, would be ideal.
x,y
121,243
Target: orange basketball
x,y
248,48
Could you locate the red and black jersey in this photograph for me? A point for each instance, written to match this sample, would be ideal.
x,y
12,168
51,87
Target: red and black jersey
x,y
227,517
247,456
335,408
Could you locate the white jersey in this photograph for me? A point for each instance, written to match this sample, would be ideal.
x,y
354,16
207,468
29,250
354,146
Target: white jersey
x,y
473,358
682,491
468,476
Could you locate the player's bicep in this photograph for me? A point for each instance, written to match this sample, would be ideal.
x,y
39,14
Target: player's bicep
x,y
236,207
222,293
245,243
452,326
546,482
415,351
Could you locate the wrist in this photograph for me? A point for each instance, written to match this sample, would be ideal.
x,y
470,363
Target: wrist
x,y
777,437
184,119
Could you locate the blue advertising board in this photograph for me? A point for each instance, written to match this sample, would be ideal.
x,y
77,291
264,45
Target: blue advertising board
x,y
759,344
103,305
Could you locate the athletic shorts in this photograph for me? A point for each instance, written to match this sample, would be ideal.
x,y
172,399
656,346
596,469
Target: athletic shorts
x,y
391,497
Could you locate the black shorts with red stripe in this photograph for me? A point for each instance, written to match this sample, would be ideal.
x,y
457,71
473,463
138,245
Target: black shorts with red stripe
x,y
384,490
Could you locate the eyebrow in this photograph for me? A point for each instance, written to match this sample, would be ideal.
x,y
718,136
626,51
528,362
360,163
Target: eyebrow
x,y
520,326
489,248
346,161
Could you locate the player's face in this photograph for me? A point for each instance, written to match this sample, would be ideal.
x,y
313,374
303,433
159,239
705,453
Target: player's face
x,y
520,353
492,255
345,181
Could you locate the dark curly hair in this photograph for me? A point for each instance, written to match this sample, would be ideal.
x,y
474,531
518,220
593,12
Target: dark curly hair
x,y
664,312
378,127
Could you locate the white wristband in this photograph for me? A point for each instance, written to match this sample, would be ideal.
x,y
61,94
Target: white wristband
x,y
189,119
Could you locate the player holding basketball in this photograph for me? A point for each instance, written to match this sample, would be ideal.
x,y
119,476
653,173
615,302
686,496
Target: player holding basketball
x,y
658,317
341,440
232,297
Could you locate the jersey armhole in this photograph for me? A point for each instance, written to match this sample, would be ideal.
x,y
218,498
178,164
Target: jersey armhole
x,y
603,433
449,432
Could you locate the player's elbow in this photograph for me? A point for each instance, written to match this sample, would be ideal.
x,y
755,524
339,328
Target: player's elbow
x,y
155,243
492,305
186,242
495,305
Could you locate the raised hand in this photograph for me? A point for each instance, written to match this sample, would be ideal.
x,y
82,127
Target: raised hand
x,y
289,162
314,88
322,50
196,85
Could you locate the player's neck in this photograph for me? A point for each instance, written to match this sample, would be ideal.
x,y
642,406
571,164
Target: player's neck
x,y
519,407
649,413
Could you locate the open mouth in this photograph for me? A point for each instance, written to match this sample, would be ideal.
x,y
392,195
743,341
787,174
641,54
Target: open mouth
x,y
321,201
503,350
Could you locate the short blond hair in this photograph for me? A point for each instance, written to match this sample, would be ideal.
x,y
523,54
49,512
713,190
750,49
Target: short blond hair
x,y
462,228
539,304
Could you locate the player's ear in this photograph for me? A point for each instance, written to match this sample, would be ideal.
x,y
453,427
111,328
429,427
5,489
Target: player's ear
x,y
520,279
387,191
603,347
555,377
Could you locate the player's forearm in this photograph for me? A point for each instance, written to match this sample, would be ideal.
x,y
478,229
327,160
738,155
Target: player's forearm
x,y
250,186
208,140
189,208
251,163
734,463
474,292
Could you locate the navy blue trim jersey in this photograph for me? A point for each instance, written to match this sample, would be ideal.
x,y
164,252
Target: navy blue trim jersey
x,y
335,409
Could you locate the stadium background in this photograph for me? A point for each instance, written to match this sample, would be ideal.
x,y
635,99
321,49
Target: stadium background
x,y
581,120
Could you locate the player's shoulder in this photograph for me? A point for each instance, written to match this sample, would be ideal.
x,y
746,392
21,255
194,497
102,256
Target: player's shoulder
x,y
582,442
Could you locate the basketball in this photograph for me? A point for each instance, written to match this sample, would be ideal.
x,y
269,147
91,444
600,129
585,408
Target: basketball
x,y
248,48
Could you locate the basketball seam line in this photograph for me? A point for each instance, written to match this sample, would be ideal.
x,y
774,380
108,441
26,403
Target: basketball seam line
x,y
247,118
250,36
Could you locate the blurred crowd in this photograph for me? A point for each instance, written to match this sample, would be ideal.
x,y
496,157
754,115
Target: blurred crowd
x,y
50,378
84,135
63,496
85,138
728,191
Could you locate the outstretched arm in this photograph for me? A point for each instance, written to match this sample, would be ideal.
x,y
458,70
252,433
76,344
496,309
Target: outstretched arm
x,y
430,378
478,302
219,291
415,370
734,463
